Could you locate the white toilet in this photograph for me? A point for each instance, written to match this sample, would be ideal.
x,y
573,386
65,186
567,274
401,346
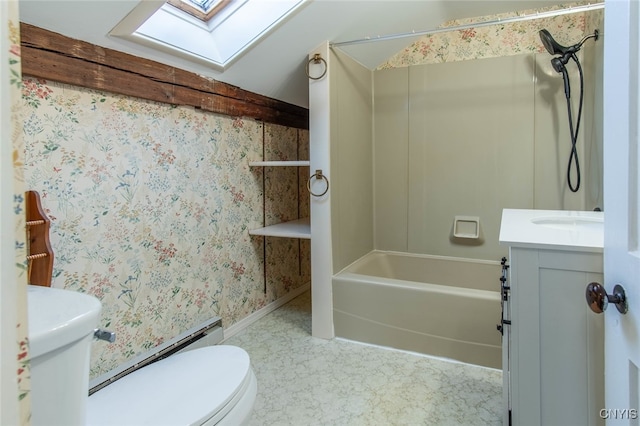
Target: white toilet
x,y
206,386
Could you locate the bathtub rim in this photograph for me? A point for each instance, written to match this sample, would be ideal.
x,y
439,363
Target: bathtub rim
x,y
362,258
418,286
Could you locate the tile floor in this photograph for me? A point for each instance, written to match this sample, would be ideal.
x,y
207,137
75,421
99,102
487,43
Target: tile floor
x,y
308,381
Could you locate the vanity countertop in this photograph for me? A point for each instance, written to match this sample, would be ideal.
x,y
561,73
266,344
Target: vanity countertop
x,y
553,229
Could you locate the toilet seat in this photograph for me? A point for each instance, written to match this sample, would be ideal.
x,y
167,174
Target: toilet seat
x,y
197,387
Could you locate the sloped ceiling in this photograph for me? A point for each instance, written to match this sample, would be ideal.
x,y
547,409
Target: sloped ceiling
x,y
275,67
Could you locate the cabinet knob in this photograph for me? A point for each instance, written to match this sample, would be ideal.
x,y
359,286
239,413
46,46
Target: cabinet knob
x,y
598,299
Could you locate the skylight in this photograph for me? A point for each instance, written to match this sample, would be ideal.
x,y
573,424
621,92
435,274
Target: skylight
x,y
232,28
204,10
205,5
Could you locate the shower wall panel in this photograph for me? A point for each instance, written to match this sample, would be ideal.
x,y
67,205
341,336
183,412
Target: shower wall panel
x,y
351,159
473,137
391,156
471,144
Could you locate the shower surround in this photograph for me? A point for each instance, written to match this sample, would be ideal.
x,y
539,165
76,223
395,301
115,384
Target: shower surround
x,y
426,138
460,123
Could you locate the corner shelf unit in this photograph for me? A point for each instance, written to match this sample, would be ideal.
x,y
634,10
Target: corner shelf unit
x,y
299,228
295,163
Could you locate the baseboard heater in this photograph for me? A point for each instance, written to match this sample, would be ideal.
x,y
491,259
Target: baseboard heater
x,y
206,334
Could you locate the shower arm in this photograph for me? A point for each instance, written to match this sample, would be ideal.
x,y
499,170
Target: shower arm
x,y
558,62
572,50
595,36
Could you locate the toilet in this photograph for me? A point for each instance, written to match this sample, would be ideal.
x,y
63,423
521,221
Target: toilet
x,y
213,385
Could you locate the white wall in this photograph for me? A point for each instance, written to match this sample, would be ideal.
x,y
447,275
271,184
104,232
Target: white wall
x,y
8,287
15,401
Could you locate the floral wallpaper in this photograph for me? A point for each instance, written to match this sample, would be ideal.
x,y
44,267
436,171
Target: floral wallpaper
x,y
151,206
497,40
14,92
281,263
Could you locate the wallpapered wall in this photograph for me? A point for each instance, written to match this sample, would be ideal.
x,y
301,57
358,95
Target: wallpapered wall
x,y
497,40
151,206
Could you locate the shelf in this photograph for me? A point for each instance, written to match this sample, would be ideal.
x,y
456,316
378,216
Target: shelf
x,y
300,228
278,163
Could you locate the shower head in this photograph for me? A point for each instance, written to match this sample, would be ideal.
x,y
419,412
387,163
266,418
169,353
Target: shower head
x,y
552,46
555,48
565,52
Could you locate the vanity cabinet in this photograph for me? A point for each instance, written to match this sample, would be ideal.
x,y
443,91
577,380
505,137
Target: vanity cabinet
x,y
553,344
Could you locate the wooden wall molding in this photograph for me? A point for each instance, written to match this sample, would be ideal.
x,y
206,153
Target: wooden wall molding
x,y
52,56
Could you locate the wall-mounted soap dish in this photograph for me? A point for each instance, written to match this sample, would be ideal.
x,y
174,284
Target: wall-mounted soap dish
x,y
466,227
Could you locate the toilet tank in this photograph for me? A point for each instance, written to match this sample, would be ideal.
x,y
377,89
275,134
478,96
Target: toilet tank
x,y
61,325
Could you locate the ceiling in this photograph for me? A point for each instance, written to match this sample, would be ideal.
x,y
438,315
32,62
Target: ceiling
x,y
275,67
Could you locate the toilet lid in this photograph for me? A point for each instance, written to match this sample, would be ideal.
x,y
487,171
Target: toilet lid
x,y
183,389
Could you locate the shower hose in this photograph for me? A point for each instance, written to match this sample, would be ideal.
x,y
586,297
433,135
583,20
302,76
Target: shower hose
x,y
573,157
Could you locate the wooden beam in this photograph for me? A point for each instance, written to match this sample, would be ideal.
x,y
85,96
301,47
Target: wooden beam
x,y
52,56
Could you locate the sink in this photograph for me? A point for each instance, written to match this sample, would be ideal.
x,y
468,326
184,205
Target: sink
x,y
575,230
570,223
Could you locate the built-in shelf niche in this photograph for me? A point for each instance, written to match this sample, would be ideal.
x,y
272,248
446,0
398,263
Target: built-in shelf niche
x,y
299,228
278,163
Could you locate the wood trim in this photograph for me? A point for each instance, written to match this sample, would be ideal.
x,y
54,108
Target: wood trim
x,y
39,251
52,56
196,12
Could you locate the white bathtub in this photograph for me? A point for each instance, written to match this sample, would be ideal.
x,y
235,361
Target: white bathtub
x,y
441,306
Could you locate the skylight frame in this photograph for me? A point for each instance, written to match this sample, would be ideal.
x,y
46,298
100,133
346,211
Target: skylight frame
x,y
193,8
205,5
218,43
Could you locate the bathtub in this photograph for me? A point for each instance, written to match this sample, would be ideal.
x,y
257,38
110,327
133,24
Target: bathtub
x,y
440,306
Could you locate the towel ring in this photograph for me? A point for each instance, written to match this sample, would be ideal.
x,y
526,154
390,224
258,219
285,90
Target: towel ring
x,y
318,175
316,60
